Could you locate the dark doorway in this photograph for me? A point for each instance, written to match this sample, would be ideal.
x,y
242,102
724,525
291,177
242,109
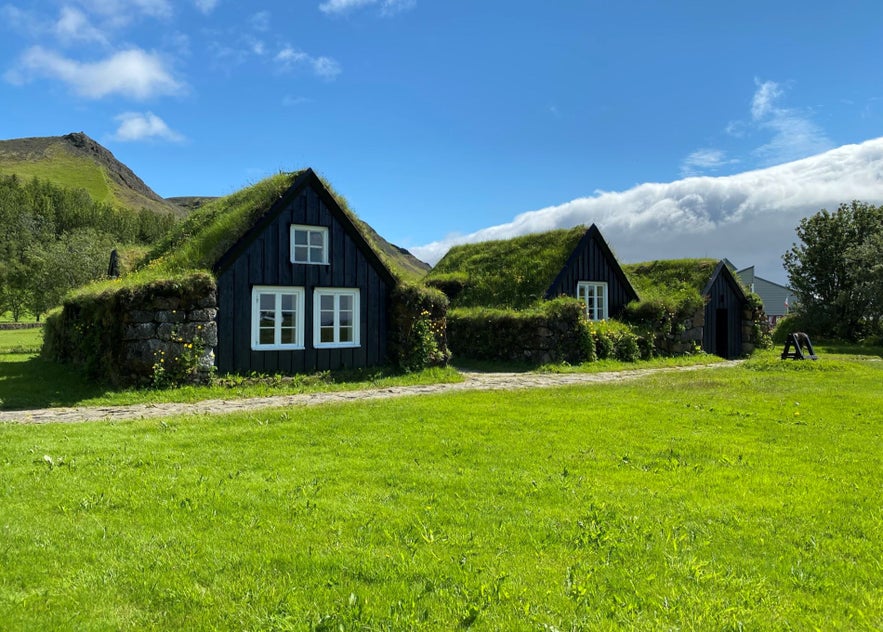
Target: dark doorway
x,y
721,333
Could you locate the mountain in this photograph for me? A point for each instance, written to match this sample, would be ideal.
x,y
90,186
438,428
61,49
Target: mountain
x,y
77,161
748,218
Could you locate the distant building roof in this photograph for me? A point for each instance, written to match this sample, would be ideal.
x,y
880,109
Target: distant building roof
x,y
777,299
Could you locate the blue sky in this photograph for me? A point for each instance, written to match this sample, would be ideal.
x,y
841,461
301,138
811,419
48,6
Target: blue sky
x,y
440,119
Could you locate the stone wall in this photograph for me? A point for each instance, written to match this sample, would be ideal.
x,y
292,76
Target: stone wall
x,y
171,338
690,333
160,333
552,335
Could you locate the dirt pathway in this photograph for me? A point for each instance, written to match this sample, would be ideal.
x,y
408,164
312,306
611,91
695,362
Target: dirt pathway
x,y
471,382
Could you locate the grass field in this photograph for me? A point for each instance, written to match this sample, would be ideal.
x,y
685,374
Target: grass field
x,y
66,170
728,499
21,341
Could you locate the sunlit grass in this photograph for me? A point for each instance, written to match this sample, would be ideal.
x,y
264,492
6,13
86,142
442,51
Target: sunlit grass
x,y
745,498
29,381
21,340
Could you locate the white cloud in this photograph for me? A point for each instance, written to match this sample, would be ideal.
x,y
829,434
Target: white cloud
x,y
325,67
206,6
74,26
260,21
387,7
132,73
21,20
749,217
122,11
135,126
704,160
791,134
343,6
289,58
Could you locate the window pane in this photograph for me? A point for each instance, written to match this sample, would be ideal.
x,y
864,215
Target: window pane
x,y
326,303
301,253
288,336
346,302
346,334
287,302
345,319
267,302
326,319
268,318
266,336
317,238
300,237
316,255
327,334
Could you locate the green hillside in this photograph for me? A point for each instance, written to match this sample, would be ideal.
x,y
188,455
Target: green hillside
x,y
77,161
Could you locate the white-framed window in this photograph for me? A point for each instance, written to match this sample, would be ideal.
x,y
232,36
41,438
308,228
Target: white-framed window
x,y
277,318
594,295
335,317
309,244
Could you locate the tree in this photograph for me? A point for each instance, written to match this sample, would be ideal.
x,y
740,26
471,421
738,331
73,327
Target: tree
x,y
833,273
60,266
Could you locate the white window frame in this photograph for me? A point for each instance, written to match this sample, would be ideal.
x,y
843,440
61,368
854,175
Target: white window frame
x,y
583,290
351,292
299,319
310,231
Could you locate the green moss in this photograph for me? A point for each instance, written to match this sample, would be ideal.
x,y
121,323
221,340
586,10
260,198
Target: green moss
x,y
513,273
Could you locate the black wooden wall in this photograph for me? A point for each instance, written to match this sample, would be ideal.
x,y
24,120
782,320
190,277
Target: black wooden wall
x,y
264,259
723,310
592,260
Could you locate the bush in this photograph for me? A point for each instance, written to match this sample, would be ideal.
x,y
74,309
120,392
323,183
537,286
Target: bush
x,y
418,336
792,323
615,340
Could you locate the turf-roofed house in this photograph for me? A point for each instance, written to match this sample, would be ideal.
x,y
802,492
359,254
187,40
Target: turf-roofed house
x,y
293,281
520,278
708,305
518,273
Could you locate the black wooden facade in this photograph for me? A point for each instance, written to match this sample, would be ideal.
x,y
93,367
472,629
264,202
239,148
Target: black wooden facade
x,y
592,260
262,258
725,304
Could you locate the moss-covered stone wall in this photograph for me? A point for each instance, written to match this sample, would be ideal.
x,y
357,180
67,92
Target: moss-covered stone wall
x,y
160,333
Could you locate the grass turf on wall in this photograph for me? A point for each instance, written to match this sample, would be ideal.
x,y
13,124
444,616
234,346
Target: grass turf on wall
x,y
722,499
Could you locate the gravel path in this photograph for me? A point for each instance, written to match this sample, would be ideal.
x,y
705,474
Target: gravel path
x,y
471,382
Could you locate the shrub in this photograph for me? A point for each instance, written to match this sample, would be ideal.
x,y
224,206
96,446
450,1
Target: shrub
x,y
418,333
616,340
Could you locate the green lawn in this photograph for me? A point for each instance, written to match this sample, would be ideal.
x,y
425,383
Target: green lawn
x,y
28,381
18,341
726,499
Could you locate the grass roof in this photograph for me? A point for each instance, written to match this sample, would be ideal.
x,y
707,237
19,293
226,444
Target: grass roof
x,y
653,278
198,242
512,273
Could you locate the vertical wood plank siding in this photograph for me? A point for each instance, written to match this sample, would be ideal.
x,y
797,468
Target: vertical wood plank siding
x,y
591,262
266,261
723,295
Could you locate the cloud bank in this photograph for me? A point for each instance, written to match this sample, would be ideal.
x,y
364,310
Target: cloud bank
x,y
749,217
